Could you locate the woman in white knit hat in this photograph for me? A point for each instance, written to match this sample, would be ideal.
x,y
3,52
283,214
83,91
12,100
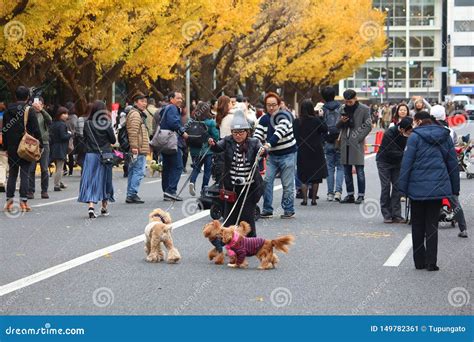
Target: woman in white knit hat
x,y
240,153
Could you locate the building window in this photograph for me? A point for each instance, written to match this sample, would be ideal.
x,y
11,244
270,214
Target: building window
x,y
464,51
463,2
422,12
397,46
422,45
464,26
368,76
397,11
421,75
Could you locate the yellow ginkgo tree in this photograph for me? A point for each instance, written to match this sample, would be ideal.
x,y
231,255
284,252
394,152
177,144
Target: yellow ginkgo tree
x,y
85,45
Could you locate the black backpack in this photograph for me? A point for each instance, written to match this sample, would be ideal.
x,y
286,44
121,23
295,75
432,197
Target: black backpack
x,y
123,139
197,133
331,118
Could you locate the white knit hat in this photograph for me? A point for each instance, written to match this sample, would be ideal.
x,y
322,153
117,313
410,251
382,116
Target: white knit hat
x,y
439,112
239,121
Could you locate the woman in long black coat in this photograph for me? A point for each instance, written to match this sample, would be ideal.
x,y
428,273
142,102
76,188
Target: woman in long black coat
x,y
59,139
309,130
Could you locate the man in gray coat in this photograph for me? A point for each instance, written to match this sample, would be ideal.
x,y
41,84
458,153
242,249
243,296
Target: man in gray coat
x,y
355,125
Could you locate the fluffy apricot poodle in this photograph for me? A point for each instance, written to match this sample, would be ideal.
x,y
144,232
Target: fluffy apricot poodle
x,y
212,231
158,232
261,248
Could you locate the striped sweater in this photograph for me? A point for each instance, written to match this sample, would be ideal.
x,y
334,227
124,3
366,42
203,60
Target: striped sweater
x,y
244,246
277,130
240,168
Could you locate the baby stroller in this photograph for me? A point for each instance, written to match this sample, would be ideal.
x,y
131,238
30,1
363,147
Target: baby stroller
x,y
465,157
215,197
446,213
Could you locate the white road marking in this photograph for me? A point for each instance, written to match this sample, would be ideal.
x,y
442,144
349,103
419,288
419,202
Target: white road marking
x,y
54,202
52,271
155,181
55,270
400,252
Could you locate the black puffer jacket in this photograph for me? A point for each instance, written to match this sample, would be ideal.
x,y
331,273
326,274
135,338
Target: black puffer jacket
x,y
14,127
228,146
392,147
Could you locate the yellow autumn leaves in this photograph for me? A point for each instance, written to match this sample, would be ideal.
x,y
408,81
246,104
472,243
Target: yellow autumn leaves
x,y
87,44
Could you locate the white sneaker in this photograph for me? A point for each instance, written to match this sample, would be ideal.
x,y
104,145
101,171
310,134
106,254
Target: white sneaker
x,y
337,196
192,189
330,197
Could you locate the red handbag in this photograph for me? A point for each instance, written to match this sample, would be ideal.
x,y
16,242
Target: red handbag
x,y
227,195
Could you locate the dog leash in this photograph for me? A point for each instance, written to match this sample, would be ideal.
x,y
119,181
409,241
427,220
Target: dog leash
x,y
189,177
248,184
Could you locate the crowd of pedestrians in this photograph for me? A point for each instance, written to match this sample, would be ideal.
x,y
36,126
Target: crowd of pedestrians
x,y
227,137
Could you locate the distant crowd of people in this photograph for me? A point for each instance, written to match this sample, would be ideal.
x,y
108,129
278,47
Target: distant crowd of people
x,y
227,137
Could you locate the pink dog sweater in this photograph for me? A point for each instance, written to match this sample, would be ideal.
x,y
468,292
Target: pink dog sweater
x,y
245,247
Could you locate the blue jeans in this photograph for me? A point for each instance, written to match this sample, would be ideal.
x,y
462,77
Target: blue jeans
x,y
286,165
350,181
172,170
136,172
333,162
207,162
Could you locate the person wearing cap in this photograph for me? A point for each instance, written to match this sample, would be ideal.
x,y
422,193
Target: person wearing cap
x,y
172,163
355,124
139,146
439,113
275,131
13,131
389,159
428,174
240,153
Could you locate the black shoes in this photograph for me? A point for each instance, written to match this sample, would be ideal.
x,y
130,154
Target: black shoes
x,y
266,215
171,197
359,200
432,267
134,200
348,199
429,267
92,214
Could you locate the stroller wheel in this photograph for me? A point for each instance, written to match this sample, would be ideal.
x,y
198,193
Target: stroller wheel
x,y
216,211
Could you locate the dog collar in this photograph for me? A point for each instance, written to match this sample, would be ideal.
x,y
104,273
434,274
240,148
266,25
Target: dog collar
x,y
161,217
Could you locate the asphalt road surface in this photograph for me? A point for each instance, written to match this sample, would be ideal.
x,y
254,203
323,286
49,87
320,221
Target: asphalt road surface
x,y
55,261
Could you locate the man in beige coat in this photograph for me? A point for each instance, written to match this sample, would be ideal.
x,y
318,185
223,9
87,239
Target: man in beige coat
x,y
139,147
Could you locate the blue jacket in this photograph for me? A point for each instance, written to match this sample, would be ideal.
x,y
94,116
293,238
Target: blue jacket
x,y
429,167
171,119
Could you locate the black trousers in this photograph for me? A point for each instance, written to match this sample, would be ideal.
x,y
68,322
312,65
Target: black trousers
x,y
248,211
424,227
16,165
389,196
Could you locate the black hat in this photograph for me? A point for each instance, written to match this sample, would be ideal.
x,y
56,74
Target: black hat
x,y
349,94
138,96
406,123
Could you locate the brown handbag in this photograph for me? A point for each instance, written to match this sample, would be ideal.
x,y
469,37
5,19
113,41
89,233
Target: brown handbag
x,y
29,147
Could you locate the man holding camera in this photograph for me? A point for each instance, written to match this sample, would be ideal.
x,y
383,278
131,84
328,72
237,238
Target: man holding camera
x,y
355,124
